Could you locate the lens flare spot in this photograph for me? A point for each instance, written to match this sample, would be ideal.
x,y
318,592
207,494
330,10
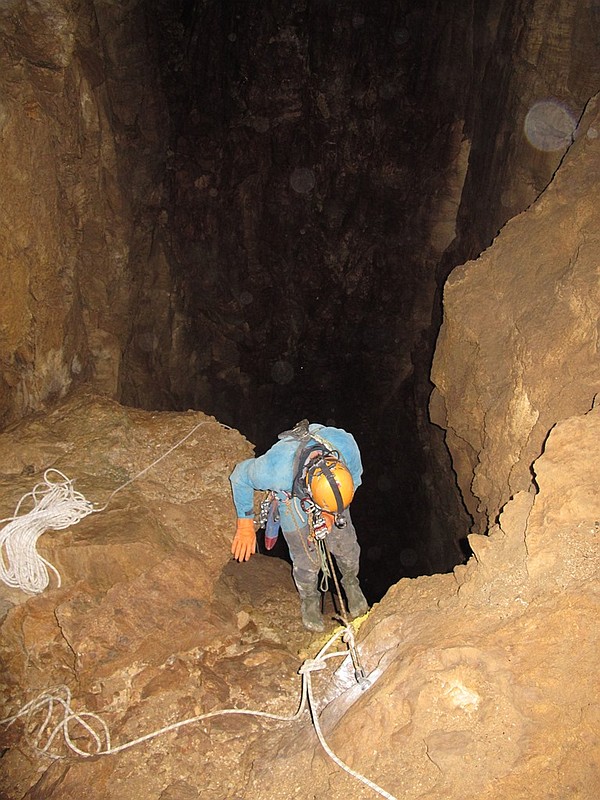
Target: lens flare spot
x,y
549,126
302,180
282,372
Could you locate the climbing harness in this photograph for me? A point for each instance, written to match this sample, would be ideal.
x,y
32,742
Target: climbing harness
x,y
322,477
316,521
315,460
318,463
318,531
56,505
59,700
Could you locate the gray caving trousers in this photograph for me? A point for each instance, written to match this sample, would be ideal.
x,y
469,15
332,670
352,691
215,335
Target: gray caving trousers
x,y
306,562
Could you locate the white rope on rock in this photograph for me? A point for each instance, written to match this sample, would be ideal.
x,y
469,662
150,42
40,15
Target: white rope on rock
x,y
99,734
157,460
56,505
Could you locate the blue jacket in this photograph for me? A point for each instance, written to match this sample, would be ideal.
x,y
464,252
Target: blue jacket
x,y
274,471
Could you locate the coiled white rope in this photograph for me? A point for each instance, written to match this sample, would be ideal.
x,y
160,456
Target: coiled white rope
x,y
99,734
56,505
60,697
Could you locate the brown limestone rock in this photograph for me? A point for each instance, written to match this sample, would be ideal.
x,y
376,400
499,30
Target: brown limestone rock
x,y
153,622
481,684
516,352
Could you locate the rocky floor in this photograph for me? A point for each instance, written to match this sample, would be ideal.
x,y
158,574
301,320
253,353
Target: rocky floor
x,y
481,683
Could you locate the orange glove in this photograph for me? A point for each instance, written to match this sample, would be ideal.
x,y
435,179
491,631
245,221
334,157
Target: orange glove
x,y
328,519
244,541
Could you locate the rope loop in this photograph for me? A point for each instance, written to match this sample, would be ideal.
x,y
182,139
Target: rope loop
x,y
56,505
311,665
99,734
52,701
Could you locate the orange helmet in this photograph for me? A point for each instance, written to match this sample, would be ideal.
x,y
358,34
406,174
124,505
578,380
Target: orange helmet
x,y
330,484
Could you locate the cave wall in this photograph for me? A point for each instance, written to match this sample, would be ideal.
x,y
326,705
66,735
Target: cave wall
x,y
251,210
313,191
483,681
331,165
389,114
533,68
523,54
83,136
318,164
518,349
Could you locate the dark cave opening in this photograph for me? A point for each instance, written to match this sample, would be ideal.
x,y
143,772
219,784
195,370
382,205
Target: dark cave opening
x,y
254,209
328,165
303,164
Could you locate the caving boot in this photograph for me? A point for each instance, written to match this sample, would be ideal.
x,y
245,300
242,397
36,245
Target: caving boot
x,y
310,606
312,618
357,602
